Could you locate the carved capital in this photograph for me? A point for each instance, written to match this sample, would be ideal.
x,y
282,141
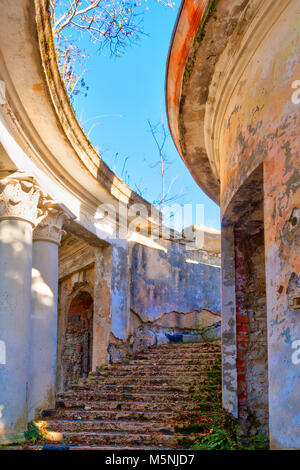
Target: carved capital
x,y
21,198
50,228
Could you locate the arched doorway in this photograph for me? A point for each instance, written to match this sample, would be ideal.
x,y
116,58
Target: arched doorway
x,y
77,355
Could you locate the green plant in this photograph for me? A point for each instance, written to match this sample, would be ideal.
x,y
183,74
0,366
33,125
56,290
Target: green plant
x,y
217,439
36,431
216,429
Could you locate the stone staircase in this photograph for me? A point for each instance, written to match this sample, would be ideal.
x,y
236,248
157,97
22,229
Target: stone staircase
x,y
135,404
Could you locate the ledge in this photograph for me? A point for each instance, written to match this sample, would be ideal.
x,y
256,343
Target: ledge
x,y
41,130
201,34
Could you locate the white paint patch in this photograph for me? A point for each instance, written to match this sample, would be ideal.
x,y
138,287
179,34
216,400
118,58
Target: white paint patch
x,y
2,352
296,354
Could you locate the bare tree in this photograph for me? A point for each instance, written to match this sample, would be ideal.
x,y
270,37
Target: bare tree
x,y
112,24
160,136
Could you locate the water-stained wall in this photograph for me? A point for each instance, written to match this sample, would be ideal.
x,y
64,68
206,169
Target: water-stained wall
x,y
174,290
142,295
261,126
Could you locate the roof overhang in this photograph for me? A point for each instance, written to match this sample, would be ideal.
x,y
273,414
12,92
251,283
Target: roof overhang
x,y
201,34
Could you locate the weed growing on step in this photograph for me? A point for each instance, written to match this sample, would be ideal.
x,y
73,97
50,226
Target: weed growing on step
x,y
35,433
211,427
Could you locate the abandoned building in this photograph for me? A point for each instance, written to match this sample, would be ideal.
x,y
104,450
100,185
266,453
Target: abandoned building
x,y
233,107
88,272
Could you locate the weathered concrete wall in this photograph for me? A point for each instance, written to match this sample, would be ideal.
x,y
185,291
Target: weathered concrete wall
x,y
141,295
173,291
262,125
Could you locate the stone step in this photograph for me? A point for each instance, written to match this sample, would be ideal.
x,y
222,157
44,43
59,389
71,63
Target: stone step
x,y
126,439
133,388
98,425
135,406
146,369
170,362
144,396
108,415
136,381
170,354
83,447
201,346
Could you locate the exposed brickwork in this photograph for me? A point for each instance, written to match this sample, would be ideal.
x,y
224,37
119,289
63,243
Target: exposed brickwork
x,y
78,336
251,327
242,324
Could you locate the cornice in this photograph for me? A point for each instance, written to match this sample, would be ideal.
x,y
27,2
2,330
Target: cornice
x,y
64,110
252,30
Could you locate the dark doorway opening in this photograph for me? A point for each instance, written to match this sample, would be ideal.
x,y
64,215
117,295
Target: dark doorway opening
x,y
77,355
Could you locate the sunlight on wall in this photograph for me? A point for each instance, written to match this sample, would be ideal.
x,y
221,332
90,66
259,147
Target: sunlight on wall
x,y
1,423
41,289
147,241
2,353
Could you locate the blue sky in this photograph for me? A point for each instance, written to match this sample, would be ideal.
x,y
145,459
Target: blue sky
x,y
124,93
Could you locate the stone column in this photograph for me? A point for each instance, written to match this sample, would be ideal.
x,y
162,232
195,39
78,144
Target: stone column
x,y
229,350
19,212
46,239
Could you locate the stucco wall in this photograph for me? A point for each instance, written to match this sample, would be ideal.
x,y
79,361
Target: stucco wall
x,y
173,290
142,295
261,125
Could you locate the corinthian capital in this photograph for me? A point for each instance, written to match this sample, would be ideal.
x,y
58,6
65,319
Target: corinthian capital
x,y
20,198
50,228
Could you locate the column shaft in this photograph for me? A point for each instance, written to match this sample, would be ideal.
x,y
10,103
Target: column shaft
x,y
43,327
15,306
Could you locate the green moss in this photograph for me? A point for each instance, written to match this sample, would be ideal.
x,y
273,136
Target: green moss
x,y
220,431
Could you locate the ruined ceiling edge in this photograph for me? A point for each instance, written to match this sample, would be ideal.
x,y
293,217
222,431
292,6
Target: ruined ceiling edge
x,y
196,11
66,116
231,66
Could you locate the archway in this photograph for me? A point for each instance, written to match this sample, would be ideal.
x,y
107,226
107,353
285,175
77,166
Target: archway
x,y
77,355
244,278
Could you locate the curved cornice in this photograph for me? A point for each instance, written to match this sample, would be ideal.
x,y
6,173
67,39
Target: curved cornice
x,y
64,110
39,117
209,51
186,37
254,25
203,39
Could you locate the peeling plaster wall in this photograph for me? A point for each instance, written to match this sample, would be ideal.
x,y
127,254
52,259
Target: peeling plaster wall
x,y
141,295
120,299
173,290
261,125
251,330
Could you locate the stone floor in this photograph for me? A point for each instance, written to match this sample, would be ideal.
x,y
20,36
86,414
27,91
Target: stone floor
x,y
135,404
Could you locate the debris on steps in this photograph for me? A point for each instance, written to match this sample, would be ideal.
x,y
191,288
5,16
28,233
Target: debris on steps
x,y
140,404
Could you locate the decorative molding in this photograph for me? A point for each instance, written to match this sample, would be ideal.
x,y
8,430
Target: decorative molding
x,y
50,228
231,66
21,198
